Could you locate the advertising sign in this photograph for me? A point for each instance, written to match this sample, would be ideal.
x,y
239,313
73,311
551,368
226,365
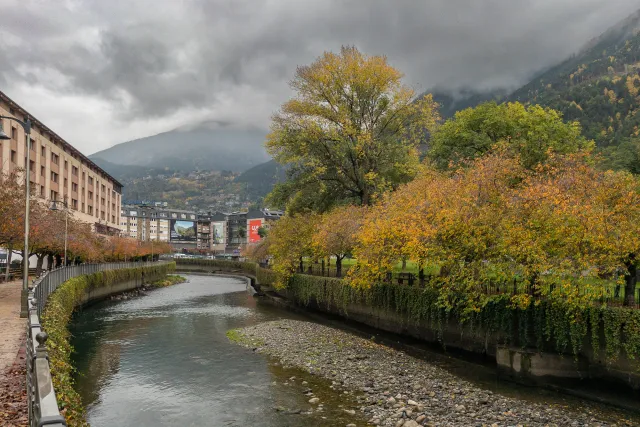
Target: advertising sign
x,y
254,225
183,231
218,233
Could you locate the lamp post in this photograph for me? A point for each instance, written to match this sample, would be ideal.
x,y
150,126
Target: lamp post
x,y
54,207
24,296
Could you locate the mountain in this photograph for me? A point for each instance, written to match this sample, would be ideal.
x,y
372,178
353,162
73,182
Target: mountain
x,y
599,86
200,148
452,101
125,173
260,179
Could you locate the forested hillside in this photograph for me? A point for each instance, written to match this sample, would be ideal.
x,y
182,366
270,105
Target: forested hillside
x,y
600,88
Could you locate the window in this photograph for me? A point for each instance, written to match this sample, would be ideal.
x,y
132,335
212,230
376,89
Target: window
x,y
14,133
55,159
103,188
82,208
90,181
113,206
113,218
89,209
74,187
32,166
173,215
65,184
74,171
31,146
53,195
43,171
42,191
183,216
193,217
83,175
13,157
54,177
90,195
101,201
43,152
74,204
66,165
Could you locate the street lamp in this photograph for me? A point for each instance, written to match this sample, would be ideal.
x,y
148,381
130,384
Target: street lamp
x,y
26,125
54,207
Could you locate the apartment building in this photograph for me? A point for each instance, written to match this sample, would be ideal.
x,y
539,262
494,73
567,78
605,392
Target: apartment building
x,y
59,171
216,233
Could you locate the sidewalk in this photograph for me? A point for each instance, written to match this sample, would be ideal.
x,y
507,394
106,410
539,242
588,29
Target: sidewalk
x,y
13,394
12,327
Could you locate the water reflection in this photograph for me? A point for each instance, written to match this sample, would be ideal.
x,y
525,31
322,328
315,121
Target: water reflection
x,y
164,360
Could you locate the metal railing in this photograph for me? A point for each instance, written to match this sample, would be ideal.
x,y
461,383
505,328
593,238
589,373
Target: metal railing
x,y
41,397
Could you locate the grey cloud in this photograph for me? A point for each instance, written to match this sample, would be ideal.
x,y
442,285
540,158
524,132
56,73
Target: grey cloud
x,y
150,59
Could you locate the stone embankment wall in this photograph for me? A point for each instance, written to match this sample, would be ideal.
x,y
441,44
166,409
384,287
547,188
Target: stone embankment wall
x,y
508,337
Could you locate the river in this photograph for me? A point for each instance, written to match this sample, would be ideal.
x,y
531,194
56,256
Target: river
x,y
164,359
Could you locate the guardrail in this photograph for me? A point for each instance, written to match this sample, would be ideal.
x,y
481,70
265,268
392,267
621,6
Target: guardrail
x,y
41,397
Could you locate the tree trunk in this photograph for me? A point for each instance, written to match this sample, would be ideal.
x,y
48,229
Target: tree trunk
x,y
338,266
404,264
9,253
301,266
323,266
39,263
50,262
631,280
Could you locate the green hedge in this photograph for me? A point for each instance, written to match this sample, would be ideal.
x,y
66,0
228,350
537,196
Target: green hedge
x,y
55,319
609,332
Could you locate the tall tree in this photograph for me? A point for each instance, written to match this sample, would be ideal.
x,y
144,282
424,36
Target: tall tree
x,y
336,233
350,133
529,132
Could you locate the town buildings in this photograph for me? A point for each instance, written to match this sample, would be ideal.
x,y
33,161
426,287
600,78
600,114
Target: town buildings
x,y
59,171
213,232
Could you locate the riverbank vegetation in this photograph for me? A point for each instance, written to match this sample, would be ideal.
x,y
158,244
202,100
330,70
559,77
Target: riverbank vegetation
x,y
47,232
168,280
55,320
508,216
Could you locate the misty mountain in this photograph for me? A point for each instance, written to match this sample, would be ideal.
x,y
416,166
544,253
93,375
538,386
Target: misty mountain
x,y
124,173
199,148
453,101
260,179
598,86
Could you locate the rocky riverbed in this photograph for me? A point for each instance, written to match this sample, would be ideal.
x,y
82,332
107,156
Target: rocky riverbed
x,y
394,389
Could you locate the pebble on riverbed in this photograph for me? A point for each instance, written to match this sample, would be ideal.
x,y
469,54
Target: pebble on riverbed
x,y
398,390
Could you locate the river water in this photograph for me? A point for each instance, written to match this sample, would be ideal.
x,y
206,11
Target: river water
x,y
164,359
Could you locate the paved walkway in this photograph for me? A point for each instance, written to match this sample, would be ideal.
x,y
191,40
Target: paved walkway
x,y
12,327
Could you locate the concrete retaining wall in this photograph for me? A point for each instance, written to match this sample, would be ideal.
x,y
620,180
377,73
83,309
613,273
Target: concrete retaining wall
x,y
527,366
102,292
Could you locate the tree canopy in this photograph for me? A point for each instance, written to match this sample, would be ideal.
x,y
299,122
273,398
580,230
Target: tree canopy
x,y
530,132
350,133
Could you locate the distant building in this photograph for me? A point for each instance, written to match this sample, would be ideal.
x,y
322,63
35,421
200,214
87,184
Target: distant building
x,y
213,232
59,171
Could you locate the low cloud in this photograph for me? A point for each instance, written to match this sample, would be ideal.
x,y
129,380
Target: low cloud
x,y
103,72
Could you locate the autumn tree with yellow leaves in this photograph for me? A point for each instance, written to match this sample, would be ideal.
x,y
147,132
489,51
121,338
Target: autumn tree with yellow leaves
x,y
349,134
337,232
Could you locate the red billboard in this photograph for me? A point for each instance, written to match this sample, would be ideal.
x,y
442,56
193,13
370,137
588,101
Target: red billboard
x,y
254,225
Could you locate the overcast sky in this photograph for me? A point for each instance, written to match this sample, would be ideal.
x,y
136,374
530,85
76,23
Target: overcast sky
x,y
102,72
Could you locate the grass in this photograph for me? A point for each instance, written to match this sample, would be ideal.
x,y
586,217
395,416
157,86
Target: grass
x,y
236,336
169,280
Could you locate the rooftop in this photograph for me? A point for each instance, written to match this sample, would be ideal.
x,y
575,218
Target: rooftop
x,y
54,137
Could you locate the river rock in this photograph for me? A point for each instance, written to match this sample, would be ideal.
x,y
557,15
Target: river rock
x,y
398,387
